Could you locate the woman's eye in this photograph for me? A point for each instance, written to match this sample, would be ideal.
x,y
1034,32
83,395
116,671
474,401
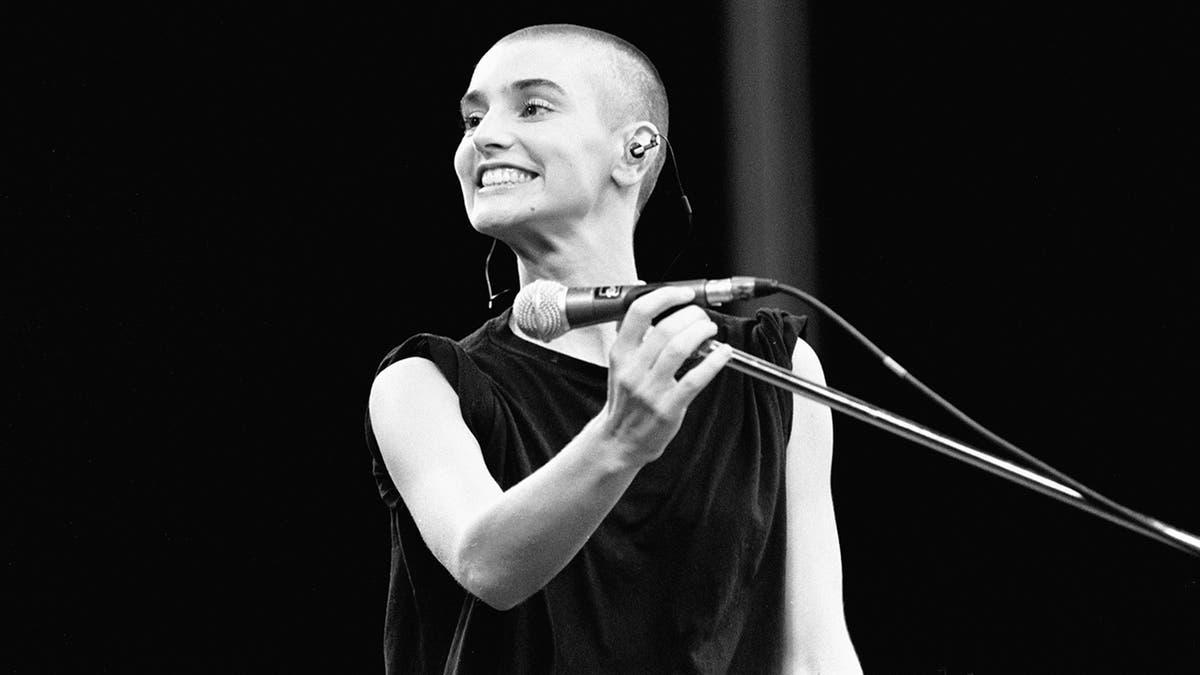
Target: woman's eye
x,y
534,107
469,122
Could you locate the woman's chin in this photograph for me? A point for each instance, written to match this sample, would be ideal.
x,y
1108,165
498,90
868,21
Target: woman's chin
x,y
494,222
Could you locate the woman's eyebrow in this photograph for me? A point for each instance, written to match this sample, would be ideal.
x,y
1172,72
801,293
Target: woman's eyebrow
x,y
476,97
539,83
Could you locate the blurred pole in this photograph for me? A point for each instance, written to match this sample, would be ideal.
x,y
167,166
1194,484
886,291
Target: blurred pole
x,y
772,230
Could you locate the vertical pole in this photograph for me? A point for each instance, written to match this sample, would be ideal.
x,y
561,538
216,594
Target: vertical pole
x,y
772,229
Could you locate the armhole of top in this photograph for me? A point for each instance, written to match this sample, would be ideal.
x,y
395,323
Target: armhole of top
x,y
774,335
471,384
464,377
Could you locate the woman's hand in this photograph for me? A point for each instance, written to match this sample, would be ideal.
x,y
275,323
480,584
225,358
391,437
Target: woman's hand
x,y
646,404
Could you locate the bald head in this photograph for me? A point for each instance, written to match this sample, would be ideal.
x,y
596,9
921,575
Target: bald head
x,y
632,90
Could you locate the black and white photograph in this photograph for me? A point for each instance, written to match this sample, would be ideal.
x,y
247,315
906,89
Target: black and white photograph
x,y
627,337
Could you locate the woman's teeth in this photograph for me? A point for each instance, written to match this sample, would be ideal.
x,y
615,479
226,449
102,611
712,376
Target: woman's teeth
x,y
505,176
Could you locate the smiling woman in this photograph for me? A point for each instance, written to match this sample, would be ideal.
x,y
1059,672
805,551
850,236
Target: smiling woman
x,y
537,113
590,504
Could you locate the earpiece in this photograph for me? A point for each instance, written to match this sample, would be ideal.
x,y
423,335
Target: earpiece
x,y
638,150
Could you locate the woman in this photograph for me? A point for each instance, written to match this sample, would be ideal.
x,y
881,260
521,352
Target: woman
x,y
603,502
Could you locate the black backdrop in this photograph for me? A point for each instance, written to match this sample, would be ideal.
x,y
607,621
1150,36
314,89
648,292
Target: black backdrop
x,y
220,218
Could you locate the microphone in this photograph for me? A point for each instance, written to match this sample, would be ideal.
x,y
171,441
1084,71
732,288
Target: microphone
x,y
546,309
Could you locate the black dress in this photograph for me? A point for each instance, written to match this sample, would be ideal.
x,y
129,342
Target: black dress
x,y
685,574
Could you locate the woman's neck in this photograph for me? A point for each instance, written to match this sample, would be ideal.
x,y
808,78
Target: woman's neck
x,y
586,263
589,263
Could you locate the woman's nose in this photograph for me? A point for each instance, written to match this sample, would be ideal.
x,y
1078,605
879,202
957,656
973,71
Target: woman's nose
x,y
492,132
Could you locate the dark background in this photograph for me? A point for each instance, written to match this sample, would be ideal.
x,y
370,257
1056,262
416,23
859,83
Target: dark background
x,y
218,220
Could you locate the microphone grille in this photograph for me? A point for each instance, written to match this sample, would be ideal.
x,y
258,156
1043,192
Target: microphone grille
x,y
538,310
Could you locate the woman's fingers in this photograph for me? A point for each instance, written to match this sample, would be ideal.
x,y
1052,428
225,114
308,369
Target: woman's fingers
x,y
646,403
629,349
651,354
681,345
701,374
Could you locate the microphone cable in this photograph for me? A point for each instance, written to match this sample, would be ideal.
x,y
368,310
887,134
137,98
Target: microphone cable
x,y
901,372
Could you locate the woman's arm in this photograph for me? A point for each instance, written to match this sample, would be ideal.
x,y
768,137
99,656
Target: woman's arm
x,y
503,546
816,637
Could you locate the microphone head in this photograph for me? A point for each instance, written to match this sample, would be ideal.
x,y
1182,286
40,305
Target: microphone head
x,y
539,310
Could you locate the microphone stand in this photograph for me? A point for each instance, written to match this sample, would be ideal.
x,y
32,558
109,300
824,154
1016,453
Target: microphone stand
x,y
781,377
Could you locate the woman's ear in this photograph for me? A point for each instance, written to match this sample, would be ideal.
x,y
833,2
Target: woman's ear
x,y
640,145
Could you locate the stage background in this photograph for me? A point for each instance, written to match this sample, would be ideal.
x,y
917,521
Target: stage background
x,y
219,219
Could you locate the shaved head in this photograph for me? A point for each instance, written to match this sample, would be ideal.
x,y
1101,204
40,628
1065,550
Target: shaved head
x,y
632,89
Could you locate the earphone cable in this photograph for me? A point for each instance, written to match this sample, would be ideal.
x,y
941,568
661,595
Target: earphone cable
x,y
687,207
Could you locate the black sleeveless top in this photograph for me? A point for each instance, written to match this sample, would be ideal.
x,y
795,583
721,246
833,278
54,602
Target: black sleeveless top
x,y
684,575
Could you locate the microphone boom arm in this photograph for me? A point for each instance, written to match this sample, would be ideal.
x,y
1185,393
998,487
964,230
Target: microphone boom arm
x,y
781,377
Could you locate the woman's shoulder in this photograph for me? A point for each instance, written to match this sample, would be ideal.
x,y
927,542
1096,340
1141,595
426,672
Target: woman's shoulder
x,y
770,333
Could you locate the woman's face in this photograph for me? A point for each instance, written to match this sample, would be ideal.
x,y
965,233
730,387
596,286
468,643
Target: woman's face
x,y
535,150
